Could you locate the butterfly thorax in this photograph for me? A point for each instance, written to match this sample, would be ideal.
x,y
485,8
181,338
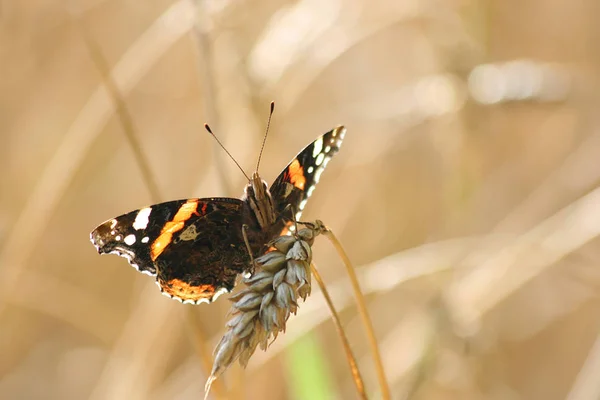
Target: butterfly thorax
x,y
258,197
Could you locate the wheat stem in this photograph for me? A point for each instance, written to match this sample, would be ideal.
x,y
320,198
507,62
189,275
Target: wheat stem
x,y
362,309
360,387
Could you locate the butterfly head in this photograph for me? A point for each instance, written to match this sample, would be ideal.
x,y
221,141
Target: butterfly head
x,y
258,197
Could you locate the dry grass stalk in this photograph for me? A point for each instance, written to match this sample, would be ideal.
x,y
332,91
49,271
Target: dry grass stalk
x,y
200,343
360,386
121,109
364,314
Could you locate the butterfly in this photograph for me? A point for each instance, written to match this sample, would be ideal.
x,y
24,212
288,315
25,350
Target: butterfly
x,y
196,248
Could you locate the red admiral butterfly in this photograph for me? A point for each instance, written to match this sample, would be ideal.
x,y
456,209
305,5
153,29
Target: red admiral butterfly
x,y
197,247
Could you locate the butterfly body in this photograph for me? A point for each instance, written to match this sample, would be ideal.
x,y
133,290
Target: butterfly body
x,y
196,247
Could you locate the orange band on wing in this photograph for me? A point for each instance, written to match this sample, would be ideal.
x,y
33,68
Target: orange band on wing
x,y
185,291
184,213
297,174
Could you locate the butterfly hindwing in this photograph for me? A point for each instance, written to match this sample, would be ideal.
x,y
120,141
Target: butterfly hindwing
x,y
295,184
182,243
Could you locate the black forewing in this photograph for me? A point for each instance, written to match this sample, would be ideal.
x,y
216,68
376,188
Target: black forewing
x,y
295,184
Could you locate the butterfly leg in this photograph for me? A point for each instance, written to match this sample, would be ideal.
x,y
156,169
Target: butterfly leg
x,y
318,225
245,235
291,209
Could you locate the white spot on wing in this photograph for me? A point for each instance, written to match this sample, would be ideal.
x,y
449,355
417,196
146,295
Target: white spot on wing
x,y
129,257
320,159
318,174
218,293
327,149
96,246
298,215
310,169
118,238
318,146
302,204
145,239
113,223
142,218
120,253
129,239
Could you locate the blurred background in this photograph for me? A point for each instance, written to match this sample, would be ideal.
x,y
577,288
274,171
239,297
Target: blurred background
x,y
466,192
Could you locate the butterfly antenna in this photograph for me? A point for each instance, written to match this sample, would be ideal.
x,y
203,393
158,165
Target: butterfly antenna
x,y
266,132
228,153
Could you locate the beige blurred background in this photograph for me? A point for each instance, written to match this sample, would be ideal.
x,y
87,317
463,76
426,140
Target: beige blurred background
x,y
466,192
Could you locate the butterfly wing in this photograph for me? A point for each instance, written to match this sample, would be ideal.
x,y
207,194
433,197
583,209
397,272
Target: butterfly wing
x,y
296,183
194,247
